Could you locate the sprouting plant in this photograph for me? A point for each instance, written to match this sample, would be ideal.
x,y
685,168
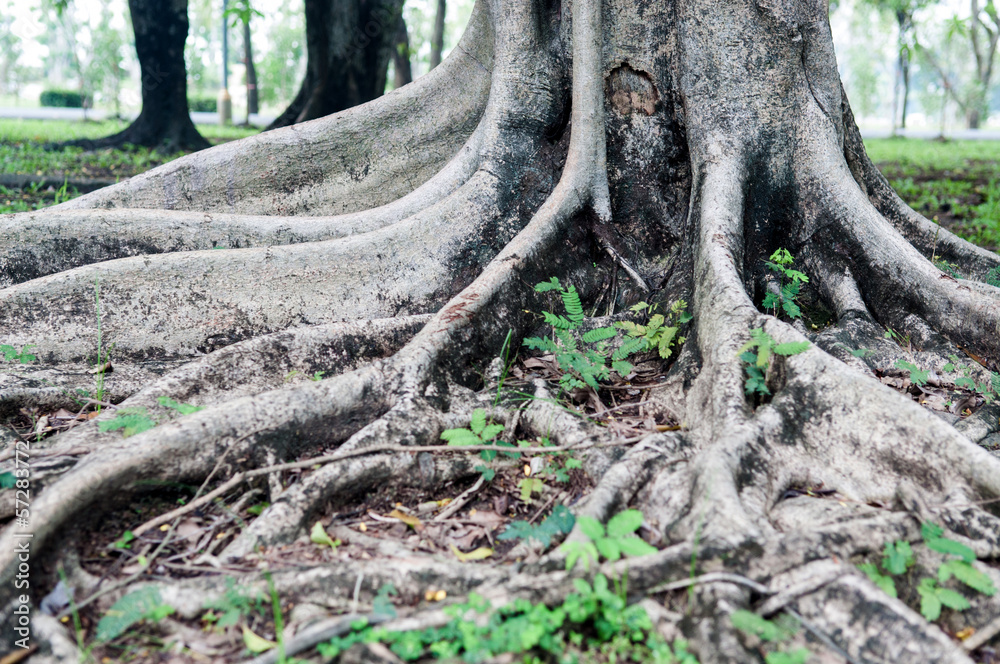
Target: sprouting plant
x,y
756,355
898,558
656,334
989,391
481,431
791,283
581,366
559,522
775,631
951,269
131,421
893,335
993,277
234,604
611,543
595,619
918,376
382,604
11,354
143,604
124,542
182,408
960,566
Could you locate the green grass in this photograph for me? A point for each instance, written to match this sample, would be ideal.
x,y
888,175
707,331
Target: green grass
x,y
21,153
955,183
21,149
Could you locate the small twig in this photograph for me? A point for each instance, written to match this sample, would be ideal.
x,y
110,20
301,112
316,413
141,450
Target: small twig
x,y
619,407
357,591
543,507
461,501
713,577
318,633
982,636
625,266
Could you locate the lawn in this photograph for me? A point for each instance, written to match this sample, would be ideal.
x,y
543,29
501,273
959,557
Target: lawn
x,y
22,152
955,183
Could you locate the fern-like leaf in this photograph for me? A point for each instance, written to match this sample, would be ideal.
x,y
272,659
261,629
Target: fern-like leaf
x,y
622,367
630,346
478,421
666,341
550,285
628,326
558,322
574,308
600,334
792,348
142,604
543,344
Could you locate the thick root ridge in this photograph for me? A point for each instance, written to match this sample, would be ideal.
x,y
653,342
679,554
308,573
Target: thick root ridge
x,y
36,244
385,148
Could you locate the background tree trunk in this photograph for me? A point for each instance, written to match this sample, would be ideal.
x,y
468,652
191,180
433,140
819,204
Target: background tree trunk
x,y
160,28
251,72
402,72
437,37
348,47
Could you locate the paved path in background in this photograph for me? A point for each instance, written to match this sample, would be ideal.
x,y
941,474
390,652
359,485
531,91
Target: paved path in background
x,y
46,113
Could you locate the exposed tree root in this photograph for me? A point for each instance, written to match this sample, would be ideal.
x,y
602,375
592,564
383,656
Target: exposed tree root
x,y
763,501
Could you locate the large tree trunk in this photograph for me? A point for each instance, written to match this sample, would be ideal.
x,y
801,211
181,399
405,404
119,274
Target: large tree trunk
x,y
638,149
160,28
348,48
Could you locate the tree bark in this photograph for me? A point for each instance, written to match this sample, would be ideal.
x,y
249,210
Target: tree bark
x,y
403,73
160,28
437,37
251,72
636,149
348,48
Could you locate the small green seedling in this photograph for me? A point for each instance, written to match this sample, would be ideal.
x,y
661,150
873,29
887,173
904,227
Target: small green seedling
x,y
611,543
130,421
757,363
993,277
918,376
11,354
234,604
898,558
182,408
989,391
777,631
559,522
143,604
656,334
791,284
481,431
582,367
124,542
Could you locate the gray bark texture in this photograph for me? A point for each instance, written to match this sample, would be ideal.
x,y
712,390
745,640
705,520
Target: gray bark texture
x,y
393,246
